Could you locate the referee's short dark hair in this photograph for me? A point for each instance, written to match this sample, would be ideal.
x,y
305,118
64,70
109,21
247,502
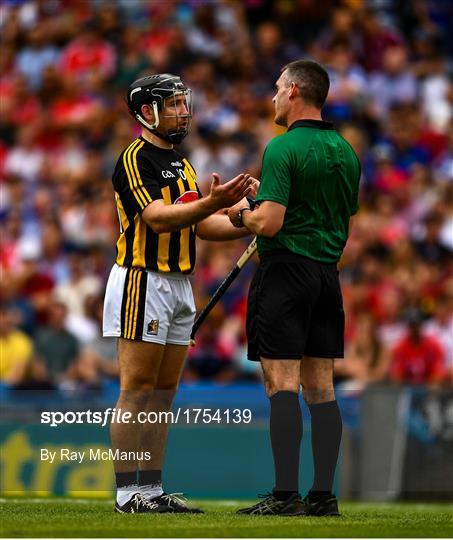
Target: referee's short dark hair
x,y
312,80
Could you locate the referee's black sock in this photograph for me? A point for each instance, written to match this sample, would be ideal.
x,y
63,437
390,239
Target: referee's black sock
x,y
286,435
326,429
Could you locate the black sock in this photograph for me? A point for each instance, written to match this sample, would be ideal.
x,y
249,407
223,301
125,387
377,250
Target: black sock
x,y
315,496
283,495
286,435
326,428
124,479
149,478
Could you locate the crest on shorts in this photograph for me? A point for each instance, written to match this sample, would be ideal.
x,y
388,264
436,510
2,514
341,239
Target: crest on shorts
x,y
153,327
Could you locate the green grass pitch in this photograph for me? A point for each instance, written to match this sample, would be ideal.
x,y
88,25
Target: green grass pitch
x,y
83,518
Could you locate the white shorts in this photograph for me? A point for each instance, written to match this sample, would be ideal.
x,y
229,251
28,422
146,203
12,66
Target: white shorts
x,y
148,306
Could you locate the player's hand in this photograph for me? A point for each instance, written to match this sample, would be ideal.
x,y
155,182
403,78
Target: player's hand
x,y
233,212
228,194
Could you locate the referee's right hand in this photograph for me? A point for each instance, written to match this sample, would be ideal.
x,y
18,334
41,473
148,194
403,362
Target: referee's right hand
x,y
228,194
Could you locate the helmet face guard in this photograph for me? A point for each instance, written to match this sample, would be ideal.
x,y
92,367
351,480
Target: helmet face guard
x,y
160,92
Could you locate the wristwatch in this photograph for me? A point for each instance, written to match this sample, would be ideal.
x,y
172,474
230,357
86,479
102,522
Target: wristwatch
x,y
240,213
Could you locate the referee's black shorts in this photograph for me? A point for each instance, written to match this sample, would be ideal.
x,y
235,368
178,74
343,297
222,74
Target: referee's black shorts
x,y
294,309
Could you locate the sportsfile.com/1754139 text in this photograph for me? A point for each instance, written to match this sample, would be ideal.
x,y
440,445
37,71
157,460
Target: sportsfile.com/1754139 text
x,y
117,415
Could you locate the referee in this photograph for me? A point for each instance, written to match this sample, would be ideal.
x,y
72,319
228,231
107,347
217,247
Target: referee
x,y
295,318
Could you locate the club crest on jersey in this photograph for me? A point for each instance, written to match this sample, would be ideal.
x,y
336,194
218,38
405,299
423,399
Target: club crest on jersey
x,y
188,196
153,327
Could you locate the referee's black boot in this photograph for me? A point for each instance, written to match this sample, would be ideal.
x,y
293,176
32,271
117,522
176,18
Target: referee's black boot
x,y
271,506
137,504
324,506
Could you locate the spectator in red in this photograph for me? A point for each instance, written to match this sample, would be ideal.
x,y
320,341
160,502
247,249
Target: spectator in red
x,y
31,283
88,52
74,107
20,105
417,358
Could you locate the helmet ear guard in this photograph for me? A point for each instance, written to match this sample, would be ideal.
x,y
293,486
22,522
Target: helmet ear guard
x,y
146,124
153,91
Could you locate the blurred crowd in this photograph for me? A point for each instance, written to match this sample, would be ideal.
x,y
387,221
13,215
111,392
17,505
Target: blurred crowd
x,y
65,66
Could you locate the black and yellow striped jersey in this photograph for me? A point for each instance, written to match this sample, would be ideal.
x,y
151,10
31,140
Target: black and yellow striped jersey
x,y
143,174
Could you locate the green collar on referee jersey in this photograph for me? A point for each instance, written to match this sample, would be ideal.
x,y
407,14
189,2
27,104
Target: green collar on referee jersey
x,y
319,124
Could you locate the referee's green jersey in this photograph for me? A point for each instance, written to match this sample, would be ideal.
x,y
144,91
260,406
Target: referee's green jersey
x,y
315,173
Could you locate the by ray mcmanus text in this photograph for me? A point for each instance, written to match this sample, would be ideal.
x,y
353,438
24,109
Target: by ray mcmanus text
x,y
91,454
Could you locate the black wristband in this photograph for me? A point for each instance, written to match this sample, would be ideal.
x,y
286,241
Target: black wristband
x,y
240,213
251,202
